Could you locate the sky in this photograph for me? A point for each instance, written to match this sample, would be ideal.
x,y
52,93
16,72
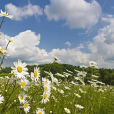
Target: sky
x,y
75,31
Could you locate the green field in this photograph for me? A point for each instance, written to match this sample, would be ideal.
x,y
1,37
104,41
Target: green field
x,y
93,100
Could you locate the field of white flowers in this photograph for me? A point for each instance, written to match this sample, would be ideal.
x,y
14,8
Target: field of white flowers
x,y
21,92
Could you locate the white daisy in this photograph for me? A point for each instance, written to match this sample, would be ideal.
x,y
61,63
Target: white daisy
x,y
1,99
83,66
77,95
68,71
8,38
67,110
3,14
92,63
26,107
24,84
54,88
46,81
3,52
79,106
22,96
40,111
35,76
47,87
20,69
55,80
46,96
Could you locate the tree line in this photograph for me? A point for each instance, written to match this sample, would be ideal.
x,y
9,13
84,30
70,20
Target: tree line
x,y
105,75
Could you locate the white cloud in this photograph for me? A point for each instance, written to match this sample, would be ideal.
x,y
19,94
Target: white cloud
x,y
77,13
20,12
25,49
102,47
68,43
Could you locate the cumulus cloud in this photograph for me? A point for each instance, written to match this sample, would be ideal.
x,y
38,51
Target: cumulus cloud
x,y
20,12
68,43
76,13
103,43
25,48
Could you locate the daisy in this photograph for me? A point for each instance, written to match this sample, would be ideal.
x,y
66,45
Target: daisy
x,y
76,70
26,107
22,97
82,90
47,87
67,88
3,14
46,72
61,91
3,52
68,71
51,75
95,76
9,39
67,110
46,96
83,66
40,111
79,106
35,76
54,88
92,63
24,84
77,95
1,99
20,69
46,81
55,80
83,74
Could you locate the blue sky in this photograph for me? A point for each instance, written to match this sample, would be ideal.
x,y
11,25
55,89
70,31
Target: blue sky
x,y
75,31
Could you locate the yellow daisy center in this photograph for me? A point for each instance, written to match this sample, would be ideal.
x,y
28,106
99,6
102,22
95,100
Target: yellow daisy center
x,y
45,96
11,40
79,106
45,81
54,88
51,76
46,88
14,75
19,69
25,106
1,50
35,74
21,97
23,84
40,113
66,110
4,14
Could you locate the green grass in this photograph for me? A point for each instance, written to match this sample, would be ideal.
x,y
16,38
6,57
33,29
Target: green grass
x,y
94,102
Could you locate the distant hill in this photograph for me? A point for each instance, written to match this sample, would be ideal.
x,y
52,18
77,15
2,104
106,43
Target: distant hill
x,y
105,75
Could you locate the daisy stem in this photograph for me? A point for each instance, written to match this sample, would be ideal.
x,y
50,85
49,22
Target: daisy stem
x,y
4,56
2,22
3,109
7,82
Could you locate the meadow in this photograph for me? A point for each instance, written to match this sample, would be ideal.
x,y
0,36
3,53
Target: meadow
x,y
95,100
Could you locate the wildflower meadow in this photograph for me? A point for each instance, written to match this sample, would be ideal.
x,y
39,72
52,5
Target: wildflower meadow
x,y
29,93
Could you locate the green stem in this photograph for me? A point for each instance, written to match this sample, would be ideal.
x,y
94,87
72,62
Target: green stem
x,y
2,22
4,56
